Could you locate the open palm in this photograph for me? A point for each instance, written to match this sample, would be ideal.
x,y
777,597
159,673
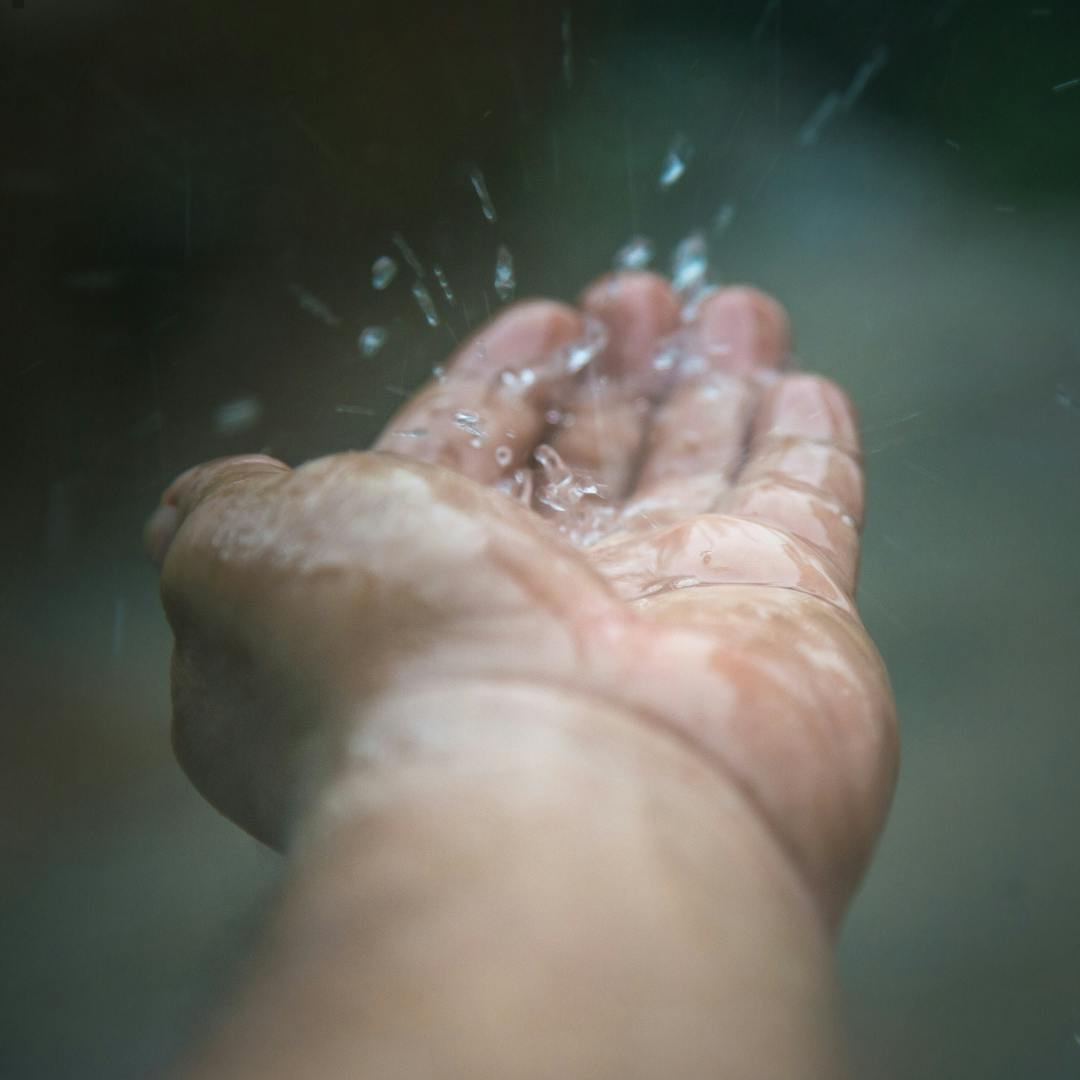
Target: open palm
x,y
617,503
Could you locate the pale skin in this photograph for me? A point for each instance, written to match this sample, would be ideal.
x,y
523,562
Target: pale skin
x,y
552,809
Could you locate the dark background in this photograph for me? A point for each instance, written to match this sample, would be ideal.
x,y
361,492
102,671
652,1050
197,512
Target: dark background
x,y
173,177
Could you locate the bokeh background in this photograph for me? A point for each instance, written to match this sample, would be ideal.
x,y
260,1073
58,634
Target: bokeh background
x,y
191,197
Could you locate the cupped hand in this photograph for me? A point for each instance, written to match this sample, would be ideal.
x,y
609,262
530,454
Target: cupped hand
x,y
632,502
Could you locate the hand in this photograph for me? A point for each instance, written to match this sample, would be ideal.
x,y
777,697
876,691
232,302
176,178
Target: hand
x,y
688,554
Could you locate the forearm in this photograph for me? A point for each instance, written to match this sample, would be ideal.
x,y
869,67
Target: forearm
x,y
509,882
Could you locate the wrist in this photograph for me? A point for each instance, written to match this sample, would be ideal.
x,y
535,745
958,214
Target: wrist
x,y
515,881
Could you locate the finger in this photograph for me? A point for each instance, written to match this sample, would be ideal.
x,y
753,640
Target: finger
x,y
194,486
484,416
803,473
698,437
608,411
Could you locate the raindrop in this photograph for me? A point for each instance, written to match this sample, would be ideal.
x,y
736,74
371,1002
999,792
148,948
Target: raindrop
x,y
470,422
480,187
383,271
810,132
236,416
425,303
690,263
635,255
371,340
578,354
440,277
408,254
678,158
724,217
504,274
315,307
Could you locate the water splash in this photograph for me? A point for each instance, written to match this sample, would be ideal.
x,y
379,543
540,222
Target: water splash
x,y
371,340
593,341
690,263
469,422
408,254
676,161
440,277
476,178
505,282
315,307
383,271
723,219
236,416
425,303
634,255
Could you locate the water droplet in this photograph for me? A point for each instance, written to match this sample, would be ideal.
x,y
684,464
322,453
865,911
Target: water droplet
x,y
408,254
438,373
519,486
440,277
315,307
480,187
635,255
553,416
414,433
372,339
504,274
383,271
724,217
811,131
666,357
476,443
685,583
690,263
579,353
470,422
706,556
425,303
677,159
503,456
236,416
848,520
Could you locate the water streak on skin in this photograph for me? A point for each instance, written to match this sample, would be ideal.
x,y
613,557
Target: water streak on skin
x,y
742,552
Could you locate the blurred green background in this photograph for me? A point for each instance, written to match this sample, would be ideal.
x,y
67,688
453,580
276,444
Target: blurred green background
x,y
177,178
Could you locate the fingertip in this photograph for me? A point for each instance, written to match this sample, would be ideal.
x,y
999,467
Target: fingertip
x,y
810,407
742,329
638,307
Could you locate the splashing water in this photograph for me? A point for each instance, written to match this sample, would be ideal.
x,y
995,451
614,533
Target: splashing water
x,y
724,217
440,277
504,274
689,264
315,307
371,340
425,303
634,255
578,354
408,254
236,416
676,161
470,422
383,271
476,178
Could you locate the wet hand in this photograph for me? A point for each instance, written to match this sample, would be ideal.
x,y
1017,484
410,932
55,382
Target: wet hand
x,y
639,508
